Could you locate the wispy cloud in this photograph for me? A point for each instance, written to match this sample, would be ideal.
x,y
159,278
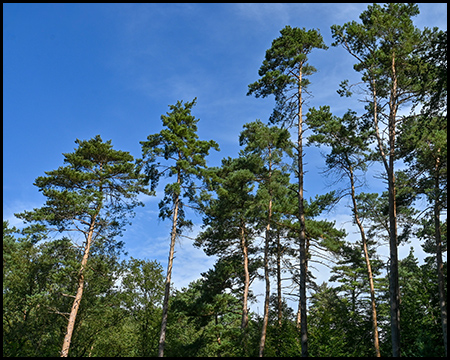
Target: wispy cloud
x,y
17,206
264,12
189,261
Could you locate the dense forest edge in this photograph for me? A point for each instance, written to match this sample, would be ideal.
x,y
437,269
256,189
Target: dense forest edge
x,y
67,290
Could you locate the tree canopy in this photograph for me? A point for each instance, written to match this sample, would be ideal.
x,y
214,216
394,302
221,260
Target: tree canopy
x,y
69,288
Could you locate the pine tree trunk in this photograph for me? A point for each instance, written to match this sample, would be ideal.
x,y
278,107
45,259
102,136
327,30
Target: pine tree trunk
x,y
79,294
369,267
302,237
162,337
244,322
279,300
244,248
394,289
266,274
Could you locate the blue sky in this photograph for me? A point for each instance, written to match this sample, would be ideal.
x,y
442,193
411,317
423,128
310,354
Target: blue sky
x,y
77,70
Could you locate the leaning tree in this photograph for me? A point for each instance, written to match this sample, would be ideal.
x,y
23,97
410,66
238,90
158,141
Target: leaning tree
x,y
92,194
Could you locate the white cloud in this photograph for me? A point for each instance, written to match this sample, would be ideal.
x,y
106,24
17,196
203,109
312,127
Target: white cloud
x,y
189,263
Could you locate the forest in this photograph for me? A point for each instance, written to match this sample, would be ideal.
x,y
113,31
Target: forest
x,y
81,298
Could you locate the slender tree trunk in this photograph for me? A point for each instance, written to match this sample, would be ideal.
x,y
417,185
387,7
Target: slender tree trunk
x,y
266,270
394,289
244,321
301,217
79,294
279,297
279,301
244,248
162,337
369,267
441,282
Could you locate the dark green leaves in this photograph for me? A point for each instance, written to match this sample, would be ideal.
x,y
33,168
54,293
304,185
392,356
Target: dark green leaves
x,y
285,67
96,181
183,154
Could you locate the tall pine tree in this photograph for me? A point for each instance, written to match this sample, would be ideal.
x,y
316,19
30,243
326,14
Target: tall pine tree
x,y
184,154
383,45
92,194
283,74
349,138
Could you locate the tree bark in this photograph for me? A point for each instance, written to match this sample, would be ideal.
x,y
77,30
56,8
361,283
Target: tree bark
x,y
162,337
301,217
394,289
244,249
244,321
266,270
79,294
369,267
279,300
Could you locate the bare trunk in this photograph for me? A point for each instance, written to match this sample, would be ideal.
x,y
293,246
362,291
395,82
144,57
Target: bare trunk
x,y
244,322
79,294
369,268
162,337
266,270
279,301
394,290
244,248
302,237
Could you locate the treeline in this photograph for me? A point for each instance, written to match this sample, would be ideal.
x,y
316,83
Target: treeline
x,y
66,290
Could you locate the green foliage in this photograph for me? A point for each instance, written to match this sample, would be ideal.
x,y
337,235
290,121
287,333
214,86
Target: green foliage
x,y
421,328
284,71
142,290
433,79
423,145
337,328
92,194
184,156
383,32
36,285
97,188
282,340
349,138
234,208
97,182
112,321
206,318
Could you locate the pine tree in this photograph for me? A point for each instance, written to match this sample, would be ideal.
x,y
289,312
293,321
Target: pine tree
x,y
270,144
423,145
349,138
383,46
91,194
230,215
283,73
179,146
